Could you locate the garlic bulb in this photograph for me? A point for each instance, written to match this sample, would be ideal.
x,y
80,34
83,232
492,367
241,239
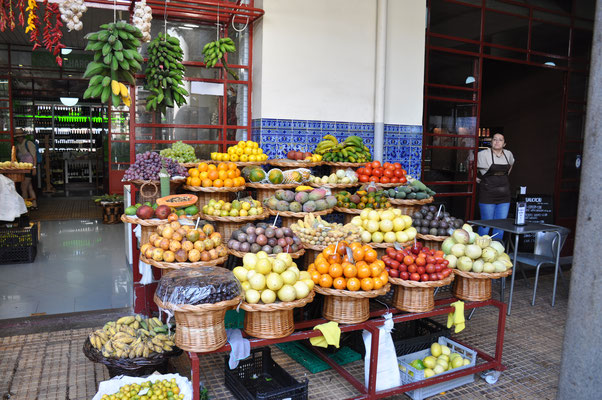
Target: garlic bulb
x,y
143,15
71,13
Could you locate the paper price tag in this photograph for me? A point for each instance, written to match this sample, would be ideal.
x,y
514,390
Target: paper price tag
x,y
350,255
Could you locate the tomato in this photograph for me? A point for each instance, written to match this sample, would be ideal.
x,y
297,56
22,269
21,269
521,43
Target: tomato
x,y
394,264
397,165
377,172
424,278
398,173
412,268
376,164
445,272
384,179
434,277
373,179
404,171
395,273
430,268
387,165
403,267
361,171
415,277
399,256
421,261
390,252
438,268
395,180
404,275
445,263
408,260
430,259
403,179
416,247
388,173
363,178
368,170
421,270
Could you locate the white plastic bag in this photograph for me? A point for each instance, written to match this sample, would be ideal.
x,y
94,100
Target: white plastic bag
x,y
387,370
13,204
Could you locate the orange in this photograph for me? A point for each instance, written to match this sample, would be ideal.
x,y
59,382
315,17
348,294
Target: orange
x,y
241,181
228,183
363,272
211,167
329,250
384,277
319,257
222,175
203,167
366,248
326,281
360,264
188,180
380,263
204,175
334,259
237,172
232,166
315,276
350,271
375,270
311,267
322,266
339,283
370,255
213,175
207,182
367,284
342,248
231,174
218,183
378,283
222,167
195,181
358,254
355,245
335,270
353,284
193,172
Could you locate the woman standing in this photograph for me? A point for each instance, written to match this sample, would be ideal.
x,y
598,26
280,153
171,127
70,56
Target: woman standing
x,y
27,152
494,166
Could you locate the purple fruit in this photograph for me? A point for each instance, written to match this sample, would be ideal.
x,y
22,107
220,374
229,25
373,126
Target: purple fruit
x,y
262,240
294,248
296,240
251,237
250,230
233,244
270,232
279,233
289,240
272,242
267,249
282,242
277,249
255,248
259,231
242,237
244,247
287,231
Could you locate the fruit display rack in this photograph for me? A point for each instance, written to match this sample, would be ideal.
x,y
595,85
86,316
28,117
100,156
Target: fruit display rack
x,y
304,330
227,225
286,163
414,296
180,265
289,217
241,254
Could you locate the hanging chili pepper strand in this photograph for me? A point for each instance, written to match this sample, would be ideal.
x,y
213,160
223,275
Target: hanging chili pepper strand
x,y
21,7
32,24
3,18
52,32
11,15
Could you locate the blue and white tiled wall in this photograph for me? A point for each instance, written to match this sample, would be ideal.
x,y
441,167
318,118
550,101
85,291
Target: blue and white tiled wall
x,y
403,143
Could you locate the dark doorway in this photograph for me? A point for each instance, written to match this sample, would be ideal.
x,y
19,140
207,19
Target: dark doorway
x,y
525,104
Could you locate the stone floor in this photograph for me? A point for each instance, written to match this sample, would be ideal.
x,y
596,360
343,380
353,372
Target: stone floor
x,y
51,365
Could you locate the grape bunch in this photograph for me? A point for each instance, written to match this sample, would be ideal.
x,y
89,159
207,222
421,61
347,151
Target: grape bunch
x,y
148,165
180,152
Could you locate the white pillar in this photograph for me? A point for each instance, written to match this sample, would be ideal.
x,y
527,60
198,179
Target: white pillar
x,y
380,79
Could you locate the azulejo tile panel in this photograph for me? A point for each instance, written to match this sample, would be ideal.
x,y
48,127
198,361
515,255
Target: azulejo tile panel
x,y
403,143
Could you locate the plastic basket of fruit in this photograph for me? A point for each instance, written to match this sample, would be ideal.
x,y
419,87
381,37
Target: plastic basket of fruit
x,y
443,357
259,377
18,245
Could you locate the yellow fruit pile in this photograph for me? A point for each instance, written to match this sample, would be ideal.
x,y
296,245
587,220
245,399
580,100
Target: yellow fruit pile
x,y
243,152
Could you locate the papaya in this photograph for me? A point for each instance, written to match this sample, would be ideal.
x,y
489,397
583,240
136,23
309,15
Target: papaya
x,y
178,200
256,175
275,176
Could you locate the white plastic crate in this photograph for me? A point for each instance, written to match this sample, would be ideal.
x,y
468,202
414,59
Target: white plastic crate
x,y
437,388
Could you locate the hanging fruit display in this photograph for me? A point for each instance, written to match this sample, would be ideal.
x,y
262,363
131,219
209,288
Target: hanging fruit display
x,y
33,23
143,16
214,52
116,58
71,14
52,31
164,74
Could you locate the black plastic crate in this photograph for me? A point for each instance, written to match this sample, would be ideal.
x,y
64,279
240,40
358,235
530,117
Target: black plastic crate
x,y
259,377
419,334
18,245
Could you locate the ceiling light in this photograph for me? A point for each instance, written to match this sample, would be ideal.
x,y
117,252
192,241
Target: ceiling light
x,y
186,28
191,25
66,51
20,65
550,63
469,79
69,101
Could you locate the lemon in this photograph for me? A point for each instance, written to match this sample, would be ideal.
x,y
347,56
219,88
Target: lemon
x,y
225,157
252,157
259,151
244,158
248,151
242,143
234,157
254,152
239,151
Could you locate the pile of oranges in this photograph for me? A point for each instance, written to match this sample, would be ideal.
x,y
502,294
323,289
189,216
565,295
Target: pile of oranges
x,y
333,269
211,175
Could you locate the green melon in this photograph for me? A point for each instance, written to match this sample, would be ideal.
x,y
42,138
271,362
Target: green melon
x,y
275,176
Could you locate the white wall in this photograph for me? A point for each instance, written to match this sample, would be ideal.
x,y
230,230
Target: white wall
x,y
314,59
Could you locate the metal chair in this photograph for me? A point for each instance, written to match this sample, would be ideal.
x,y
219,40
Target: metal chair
x,y
544,253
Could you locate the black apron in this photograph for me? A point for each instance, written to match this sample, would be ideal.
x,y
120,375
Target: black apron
x,y
495,185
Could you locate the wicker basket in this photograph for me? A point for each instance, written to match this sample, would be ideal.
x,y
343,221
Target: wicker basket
x,y
266,190
347,307
413,296
200,328
226,225
240,254
16,175
335,185
205,194
151,190
472,286
343,164
147,226
272,321
180,265
288,218
191,164
285,163
432,242
238,163
409,207
139,366
111,212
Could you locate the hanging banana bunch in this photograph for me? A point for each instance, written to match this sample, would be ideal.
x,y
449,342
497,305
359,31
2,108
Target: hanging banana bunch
x,y
116,59
214,52
164,74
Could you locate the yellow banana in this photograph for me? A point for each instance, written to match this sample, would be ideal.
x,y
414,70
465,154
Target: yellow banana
x,y
129,319
116,90
123,90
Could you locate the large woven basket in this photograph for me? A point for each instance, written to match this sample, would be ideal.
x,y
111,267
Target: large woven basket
x,y
267,190
180,265
347,307
151,190
205,194
471,286
285,163
226,225
288,217
432,242
139,366
410,206
272,321
147,226
240,254
413,296
200,328
16,175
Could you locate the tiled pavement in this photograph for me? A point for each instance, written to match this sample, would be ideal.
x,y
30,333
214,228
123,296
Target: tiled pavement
x,y
52,365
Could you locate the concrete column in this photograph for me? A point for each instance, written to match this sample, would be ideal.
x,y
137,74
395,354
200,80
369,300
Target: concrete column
x,y
380,79
579,376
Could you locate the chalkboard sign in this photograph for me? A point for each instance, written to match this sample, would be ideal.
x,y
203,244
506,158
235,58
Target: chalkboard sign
x,y
540,209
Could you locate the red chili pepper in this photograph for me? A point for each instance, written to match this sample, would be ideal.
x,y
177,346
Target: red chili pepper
x,y
52,33
11,15
21,6
3,18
